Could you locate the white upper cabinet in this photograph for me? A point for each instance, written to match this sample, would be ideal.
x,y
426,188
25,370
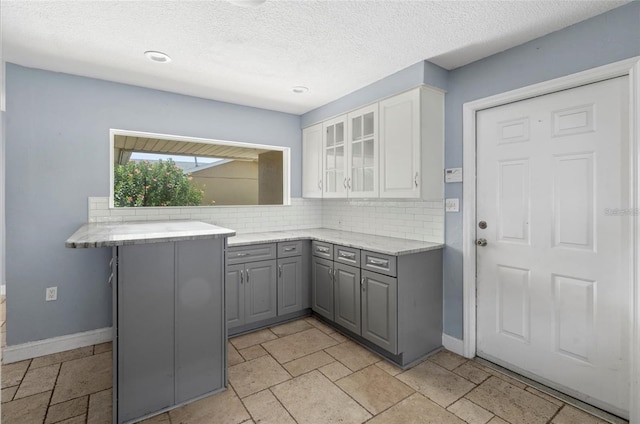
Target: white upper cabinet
x,y
334,157
390,149
411,145
362,152
312,152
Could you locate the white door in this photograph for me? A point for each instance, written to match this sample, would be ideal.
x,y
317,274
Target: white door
x,y
553,281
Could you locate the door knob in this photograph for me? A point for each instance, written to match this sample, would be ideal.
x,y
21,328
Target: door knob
x,y
481,242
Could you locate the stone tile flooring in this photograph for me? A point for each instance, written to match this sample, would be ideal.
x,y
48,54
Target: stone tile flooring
x,y
300,372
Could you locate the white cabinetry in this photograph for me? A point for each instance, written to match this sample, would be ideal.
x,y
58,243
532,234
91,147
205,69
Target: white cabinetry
x,y
390,149
312,161
411,145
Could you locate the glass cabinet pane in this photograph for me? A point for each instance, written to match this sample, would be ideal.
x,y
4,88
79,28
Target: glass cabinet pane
x,y
339,158
331,182
331,159
330,135
368,152
368,179
339,133
368,124
356,125
340,181
356,183
356,155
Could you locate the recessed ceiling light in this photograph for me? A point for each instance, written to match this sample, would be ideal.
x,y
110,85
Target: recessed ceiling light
x,y
157,56
247,3
298,89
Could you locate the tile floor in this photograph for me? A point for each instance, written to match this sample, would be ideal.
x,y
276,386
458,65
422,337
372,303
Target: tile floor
x,y
300,372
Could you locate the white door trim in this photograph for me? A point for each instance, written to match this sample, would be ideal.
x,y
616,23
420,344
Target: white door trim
x,y
629,67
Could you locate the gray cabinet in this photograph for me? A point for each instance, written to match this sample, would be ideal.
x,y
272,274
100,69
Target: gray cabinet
x,y
346,286
290,280
380,310
260,291
169,346
322,287
251,292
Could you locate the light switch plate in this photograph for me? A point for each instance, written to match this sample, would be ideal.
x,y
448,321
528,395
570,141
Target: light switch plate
x,y
452,205
453,175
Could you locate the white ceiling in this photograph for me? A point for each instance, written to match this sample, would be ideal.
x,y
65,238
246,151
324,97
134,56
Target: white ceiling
x,y
253,56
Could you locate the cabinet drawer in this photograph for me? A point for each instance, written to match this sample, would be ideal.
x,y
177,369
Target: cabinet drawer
x,y
258,252
323,250
346,255
289,248
379,262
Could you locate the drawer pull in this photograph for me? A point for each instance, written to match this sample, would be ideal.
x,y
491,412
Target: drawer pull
x,y
241,254
322,249
347,255
378,262
289,249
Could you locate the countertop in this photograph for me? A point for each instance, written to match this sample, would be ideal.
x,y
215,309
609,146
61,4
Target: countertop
x,y
118,234
380,244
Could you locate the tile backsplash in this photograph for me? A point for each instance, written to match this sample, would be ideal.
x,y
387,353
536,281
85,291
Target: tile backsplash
x,y
410,219
415,220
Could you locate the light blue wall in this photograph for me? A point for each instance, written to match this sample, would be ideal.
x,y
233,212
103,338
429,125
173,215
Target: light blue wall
x,y
421,72
57,154
600,40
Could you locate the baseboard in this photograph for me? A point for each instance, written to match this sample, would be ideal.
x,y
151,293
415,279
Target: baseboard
x,y
56,344
452,344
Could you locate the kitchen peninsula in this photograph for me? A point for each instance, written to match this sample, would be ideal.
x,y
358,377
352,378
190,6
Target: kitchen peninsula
x,y
168,312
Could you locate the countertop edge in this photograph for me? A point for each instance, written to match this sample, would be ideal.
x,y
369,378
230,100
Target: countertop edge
x,y
329,239
115,243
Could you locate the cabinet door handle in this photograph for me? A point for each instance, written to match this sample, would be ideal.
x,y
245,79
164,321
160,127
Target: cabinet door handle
x,y
110,263
241,277
362,281
349,183
110,280
247,276
344,183
320,184
280,271
415,179
330,276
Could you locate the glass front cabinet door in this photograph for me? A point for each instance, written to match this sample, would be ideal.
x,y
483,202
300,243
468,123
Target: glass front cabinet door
x,y
335,152
362,155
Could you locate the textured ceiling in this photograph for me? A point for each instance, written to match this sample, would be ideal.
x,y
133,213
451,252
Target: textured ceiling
x,y
253,56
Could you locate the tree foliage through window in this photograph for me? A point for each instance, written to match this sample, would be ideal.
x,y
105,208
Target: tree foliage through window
x,y
160,183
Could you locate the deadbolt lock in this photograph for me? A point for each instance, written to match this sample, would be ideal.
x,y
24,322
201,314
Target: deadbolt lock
x,y
482,224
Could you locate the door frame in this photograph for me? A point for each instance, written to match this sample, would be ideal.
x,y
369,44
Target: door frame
x,y
630,67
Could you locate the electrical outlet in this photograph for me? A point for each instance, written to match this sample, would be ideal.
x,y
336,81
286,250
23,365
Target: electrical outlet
x,y
51,294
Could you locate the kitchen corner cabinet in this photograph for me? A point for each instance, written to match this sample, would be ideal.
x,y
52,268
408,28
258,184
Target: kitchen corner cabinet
x,y
412,145
170,342
312,152
393,304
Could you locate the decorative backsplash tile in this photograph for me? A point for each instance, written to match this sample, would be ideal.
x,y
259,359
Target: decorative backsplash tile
x,y
415,220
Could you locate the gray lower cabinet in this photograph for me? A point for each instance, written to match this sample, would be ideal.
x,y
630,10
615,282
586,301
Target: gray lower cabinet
x,y
347,286
290,285
322,287
170,344
251,292
380,310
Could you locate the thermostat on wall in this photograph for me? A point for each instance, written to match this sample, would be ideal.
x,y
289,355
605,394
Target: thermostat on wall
x,y
453,175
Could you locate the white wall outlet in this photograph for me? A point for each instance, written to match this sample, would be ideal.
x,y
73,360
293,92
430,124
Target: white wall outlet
x,y
452,205
453,175
52,294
